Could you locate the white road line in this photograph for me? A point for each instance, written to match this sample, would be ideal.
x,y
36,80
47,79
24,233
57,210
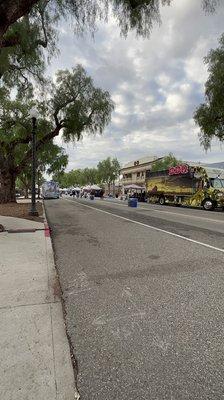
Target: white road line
x,y
151,227
188,216
141,207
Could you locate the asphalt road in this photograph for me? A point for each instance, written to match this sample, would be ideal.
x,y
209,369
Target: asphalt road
x,y
144,298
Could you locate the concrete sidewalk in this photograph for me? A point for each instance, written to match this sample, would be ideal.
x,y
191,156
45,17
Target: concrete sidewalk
x,y
35,361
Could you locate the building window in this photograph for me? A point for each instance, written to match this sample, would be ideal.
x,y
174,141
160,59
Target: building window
x,y
138,174
127,176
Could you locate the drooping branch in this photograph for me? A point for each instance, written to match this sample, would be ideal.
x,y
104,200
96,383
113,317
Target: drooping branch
x,y
44,42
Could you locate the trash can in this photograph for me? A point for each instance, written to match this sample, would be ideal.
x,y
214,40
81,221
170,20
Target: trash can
x,y
132,202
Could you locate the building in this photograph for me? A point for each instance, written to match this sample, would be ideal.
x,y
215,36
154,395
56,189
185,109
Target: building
x,y
134,172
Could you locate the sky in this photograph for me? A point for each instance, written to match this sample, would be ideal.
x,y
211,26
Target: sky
x,y
156,84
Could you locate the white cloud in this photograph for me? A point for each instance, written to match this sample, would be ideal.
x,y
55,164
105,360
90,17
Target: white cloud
x,y
175,103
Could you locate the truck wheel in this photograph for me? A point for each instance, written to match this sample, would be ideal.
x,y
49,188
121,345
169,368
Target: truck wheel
x,y
162,200
208,205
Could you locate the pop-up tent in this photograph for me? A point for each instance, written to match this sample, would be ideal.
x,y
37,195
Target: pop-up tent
x,y
87,187
91,187
134,187
95,187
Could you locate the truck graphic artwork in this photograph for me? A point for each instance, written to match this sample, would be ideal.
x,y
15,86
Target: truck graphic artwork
x,y
178,170
187,185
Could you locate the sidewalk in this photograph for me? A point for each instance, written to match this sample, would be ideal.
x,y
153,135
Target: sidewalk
x,y
35,361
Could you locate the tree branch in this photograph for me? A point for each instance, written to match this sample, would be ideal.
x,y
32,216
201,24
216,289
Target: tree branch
x,y
44,42
20,69
89,117
56,118
24,140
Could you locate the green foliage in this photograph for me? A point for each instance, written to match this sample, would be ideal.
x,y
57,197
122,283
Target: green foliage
x,y
79,105
25,59
165,163
77,177
75,108
108,170
209,116
22,56
16,126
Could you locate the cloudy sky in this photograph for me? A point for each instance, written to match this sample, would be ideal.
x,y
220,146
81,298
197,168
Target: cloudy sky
x,y
155,83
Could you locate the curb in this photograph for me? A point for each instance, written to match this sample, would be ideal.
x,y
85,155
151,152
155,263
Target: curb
x,y
52,270
47,229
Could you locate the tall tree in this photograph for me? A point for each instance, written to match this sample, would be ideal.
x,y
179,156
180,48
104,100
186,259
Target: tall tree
x,y
165,162
90,176
108,171
77,177
76,107
209,116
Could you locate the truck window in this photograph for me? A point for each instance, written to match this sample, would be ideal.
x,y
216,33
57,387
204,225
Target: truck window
x,y
218,183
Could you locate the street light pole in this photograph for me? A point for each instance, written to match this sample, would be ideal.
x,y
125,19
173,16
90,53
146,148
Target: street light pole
x,y
33,210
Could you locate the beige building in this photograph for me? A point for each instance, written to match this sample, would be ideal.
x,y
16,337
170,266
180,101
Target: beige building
x,y
134,172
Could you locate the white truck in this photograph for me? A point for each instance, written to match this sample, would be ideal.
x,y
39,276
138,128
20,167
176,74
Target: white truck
x,y
50,190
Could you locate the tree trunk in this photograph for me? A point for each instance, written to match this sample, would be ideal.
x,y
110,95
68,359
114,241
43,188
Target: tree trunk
x,y
10,12
113,189
38,184
26,192
7,187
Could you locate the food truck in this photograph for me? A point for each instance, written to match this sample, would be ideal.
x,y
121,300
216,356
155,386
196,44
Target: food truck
x,y
184,184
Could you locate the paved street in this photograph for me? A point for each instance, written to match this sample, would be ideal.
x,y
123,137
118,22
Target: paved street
x,y
144,298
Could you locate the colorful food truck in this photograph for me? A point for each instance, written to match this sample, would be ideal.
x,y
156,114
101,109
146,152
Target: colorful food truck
x,y
187,185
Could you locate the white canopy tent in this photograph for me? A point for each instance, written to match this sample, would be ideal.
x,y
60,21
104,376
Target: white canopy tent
x,y
87,187
95,187
91,187
134,187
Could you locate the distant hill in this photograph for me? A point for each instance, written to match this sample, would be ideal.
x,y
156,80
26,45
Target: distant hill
x,y
216,165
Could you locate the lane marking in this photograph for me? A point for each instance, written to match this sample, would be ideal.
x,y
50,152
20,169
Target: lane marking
x,y
141,207
151,227
188,216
